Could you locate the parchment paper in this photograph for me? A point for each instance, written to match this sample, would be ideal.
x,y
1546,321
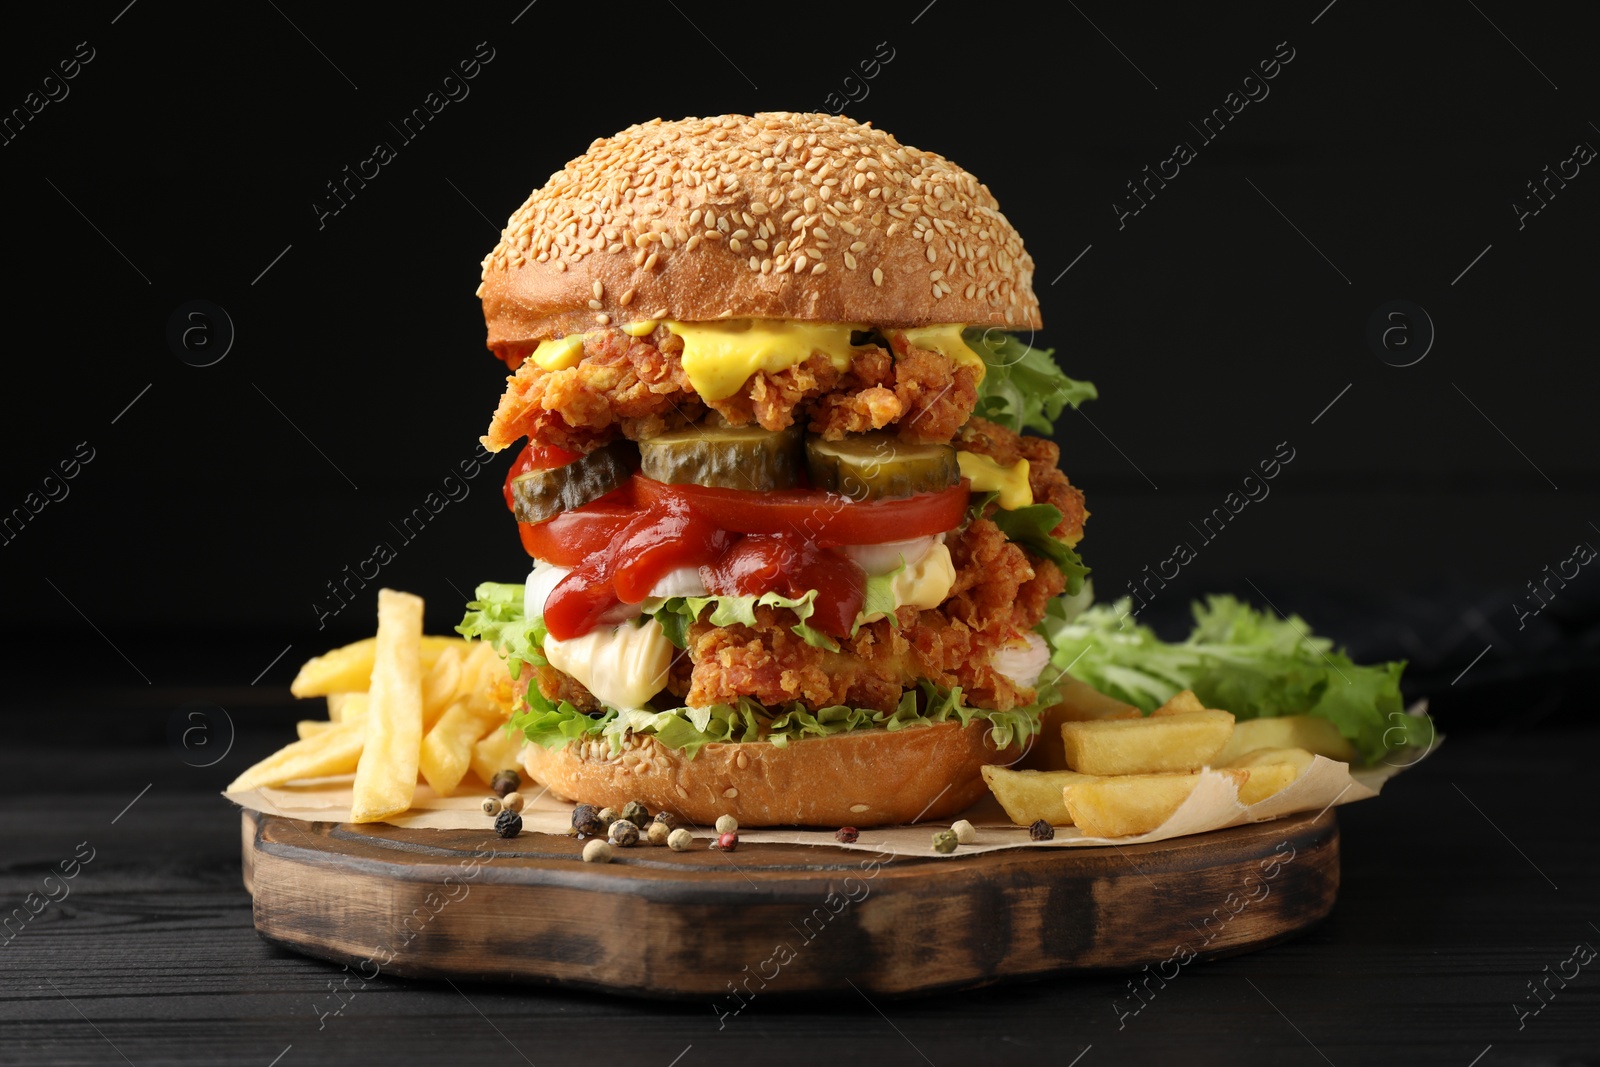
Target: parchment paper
x,y
1214,804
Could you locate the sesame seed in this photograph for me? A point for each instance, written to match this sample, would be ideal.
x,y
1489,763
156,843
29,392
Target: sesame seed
x,y
877,275
599,290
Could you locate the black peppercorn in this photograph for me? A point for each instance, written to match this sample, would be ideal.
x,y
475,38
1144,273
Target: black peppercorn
x,y
847,835
667,819
508,823
586,820
623,833
1042,831
506,781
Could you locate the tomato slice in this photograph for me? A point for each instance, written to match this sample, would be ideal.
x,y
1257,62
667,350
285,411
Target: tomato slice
x,y
535,458
826,519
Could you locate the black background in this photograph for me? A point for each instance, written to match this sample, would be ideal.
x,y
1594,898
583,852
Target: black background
x,y
1218,322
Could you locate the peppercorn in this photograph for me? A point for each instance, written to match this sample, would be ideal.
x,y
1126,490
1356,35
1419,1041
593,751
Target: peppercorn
x,y
597,851
944,841
623,833
585,820
506,781
658,833
680,840
607,816
508,824
847,835
728,842
635,813
490,805
667,819
965,832
1042,830
513,801
727,824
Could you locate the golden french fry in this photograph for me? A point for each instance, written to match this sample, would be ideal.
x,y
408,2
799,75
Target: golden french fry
x,y
346,707
386,777
1182,701
1079,702
447,747
310,727
441,685
1271,770
1134,803
323,754
1171,743
1029,796
497,751
1288,731
349,669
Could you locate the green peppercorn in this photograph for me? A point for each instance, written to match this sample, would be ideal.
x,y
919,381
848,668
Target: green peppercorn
x,y
490,805
506,781
508,824
635,813
944,841
1042,831
623,833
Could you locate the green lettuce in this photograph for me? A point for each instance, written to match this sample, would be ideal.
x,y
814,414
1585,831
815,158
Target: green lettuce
x,y
1022,388
676,613
1239,658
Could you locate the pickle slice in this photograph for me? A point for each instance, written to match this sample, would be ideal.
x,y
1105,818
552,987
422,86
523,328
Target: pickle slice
x,y
541,495
877,465
724,457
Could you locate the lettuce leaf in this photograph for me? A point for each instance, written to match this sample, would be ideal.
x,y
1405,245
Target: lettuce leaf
x,y
1022,388
676,613
1239,658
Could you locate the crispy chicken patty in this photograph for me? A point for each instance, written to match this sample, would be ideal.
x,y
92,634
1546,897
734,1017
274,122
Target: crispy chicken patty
x,y
637,385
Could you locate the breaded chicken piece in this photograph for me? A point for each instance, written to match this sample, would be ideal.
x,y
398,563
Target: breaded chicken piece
x,y
1049,485
637,386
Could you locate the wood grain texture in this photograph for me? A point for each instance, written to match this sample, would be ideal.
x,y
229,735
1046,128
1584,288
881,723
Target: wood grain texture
x,y
790,919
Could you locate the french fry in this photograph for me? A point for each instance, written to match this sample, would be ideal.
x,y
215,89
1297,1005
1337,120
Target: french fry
x,y
310,727
1079,702
386,776
497,751
325,753
447,747
1182,701
1029,796
1171,743
1271,770
441,685
1134,803
349,669
345,707
1287,731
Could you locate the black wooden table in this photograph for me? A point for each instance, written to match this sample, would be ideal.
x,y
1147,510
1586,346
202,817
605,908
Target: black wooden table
x,y
1466,886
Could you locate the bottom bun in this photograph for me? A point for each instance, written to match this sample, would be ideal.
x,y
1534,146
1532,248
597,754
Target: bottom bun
x,y
860,778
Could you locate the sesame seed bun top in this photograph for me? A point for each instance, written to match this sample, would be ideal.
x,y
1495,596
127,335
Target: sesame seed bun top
x,y
777,215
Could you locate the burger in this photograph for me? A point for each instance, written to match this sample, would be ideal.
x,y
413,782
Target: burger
x,y
790,544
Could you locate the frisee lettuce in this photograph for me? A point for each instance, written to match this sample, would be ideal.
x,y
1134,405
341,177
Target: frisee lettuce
x,y
496,616
1022,388
1242,659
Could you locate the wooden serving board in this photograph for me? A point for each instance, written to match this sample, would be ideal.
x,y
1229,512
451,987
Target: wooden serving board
x,y
775,919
